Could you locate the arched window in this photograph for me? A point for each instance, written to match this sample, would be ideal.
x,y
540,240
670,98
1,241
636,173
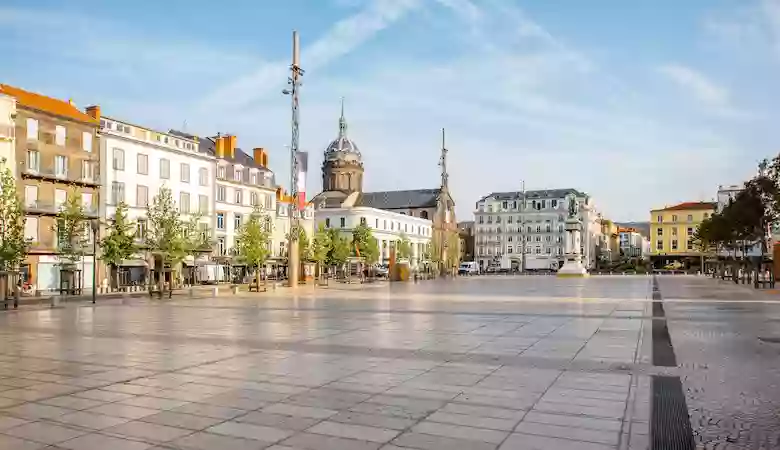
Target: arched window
x,y
424,215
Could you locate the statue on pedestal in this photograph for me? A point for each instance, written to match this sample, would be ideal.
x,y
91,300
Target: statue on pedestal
x,y
572,266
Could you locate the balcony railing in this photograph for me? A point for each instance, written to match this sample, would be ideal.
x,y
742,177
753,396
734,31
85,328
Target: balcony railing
x,y
53,174
42,207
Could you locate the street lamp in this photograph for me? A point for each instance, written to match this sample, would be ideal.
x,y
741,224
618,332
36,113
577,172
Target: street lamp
x,y
95,225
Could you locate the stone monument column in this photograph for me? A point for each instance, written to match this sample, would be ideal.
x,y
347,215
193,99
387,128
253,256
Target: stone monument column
x,y
572,265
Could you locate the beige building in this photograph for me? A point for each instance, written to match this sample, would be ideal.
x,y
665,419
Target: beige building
x,y
7,132
57,156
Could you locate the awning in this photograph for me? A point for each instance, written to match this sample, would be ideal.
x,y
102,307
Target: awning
x,y
134,263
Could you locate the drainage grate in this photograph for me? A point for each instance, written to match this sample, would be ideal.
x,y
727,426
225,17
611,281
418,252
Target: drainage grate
x,y
670,425
770,340
663,352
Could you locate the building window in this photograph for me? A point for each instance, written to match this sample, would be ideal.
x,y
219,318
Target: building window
x,y
221,172
674,217
490,219
548,228
236,174
118,159
203,204
33,160
376,225
59,135
690,217
87,170
674,231
141,196
498,219
117,192
237,221
220,221
690,231
221,193
327,222
660,232
86,141
674,244
185,172
142,164
690,245
538,228
184,202
31,229
253,199
549,250
239,196
343,222
554,203
509,249
32,129
203,176
481,218
659,245
60,196
221,246
165,169
61,166
659,219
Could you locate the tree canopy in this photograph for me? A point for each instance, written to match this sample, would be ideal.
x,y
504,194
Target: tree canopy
x,y
119,244
13,244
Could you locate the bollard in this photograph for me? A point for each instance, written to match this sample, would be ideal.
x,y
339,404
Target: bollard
x,y
192,291
215,291
55,301
235,290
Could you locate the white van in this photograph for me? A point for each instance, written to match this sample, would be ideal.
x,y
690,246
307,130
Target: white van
x,y
468,268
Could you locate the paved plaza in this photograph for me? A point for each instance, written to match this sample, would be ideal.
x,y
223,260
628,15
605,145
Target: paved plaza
x,y
511,363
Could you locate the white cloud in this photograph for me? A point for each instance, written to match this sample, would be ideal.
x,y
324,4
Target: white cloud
x,y
342,38
701,87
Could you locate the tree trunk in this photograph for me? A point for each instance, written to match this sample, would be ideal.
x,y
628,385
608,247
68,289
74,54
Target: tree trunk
x,y
114,275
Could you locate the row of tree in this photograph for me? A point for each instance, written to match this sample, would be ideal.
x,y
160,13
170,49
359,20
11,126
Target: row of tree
x,y
746,220
168,235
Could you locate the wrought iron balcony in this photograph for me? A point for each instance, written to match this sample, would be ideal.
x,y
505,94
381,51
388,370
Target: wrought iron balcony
x,y
42,207
50,173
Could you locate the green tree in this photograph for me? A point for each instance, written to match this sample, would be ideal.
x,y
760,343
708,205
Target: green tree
x,y
403,247
119,243
253,241
320,246
13,244
169,236
304,246
72,230
364,243
340,249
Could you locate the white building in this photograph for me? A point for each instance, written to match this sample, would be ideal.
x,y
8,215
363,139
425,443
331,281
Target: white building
x,y
282,224
137,161
7,132
632,243
525,229
386,226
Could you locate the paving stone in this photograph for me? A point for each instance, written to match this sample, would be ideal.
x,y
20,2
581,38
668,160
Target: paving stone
x,y
374,420
45,433
120,410
615,412
209,441
12,443
103,396
576,434
591,423
72,402
432,442
217,412
102,442
250,431
517,441
484,411
406,412
460,432
299,411
352,431
148,431
36,411
309,441
277,420
90,420
490,423
153,402
180,420
7,422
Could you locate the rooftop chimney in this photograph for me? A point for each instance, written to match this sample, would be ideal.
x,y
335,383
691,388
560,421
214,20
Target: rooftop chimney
x,y
93,111
219,148
230,145
259,156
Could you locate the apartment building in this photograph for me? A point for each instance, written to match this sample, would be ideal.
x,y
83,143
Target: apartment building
x,y
632,243
138,161
524,230
242,183
56,150
8,132
672,231
282,223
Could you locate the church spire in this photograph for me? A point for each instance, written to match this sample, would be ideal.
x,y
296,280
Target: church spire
x,y
342,121
443,162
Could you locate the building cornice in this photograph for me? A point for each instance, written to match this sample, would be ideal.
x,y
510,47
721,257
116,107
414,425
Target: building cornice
x,y
135,140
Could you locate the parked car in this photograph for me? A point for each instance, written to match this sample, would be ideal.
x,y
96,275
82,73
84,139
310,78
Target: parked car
x,y
381,271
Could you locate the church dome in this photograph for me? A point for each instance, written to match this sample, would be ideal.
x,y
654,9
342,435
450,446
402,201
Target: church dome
x,y
342,147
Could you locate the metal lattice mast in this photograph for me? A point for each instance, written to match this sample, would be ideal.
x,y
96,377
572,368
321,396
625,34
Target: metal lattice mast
x,y
294,81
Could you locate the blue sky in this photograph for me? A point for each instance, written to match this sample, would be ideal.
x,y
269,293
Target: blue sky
x,y
641,104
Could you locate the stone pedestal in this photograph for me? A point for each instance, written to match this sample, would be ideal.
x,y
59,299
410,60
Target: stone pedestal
x,y
572,265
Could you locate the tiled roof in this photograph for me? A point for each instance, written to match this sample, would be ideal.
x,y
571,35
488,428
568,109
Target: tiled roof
x,y
543,193
46,104
417,198
687,206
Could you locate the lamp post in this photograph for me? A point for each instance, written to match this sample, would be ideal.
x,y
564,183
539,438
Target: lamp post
x,y
95,225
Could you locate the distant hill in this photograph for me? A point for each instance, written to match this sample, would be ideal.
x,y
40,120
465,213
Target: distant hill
x,y
642,227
